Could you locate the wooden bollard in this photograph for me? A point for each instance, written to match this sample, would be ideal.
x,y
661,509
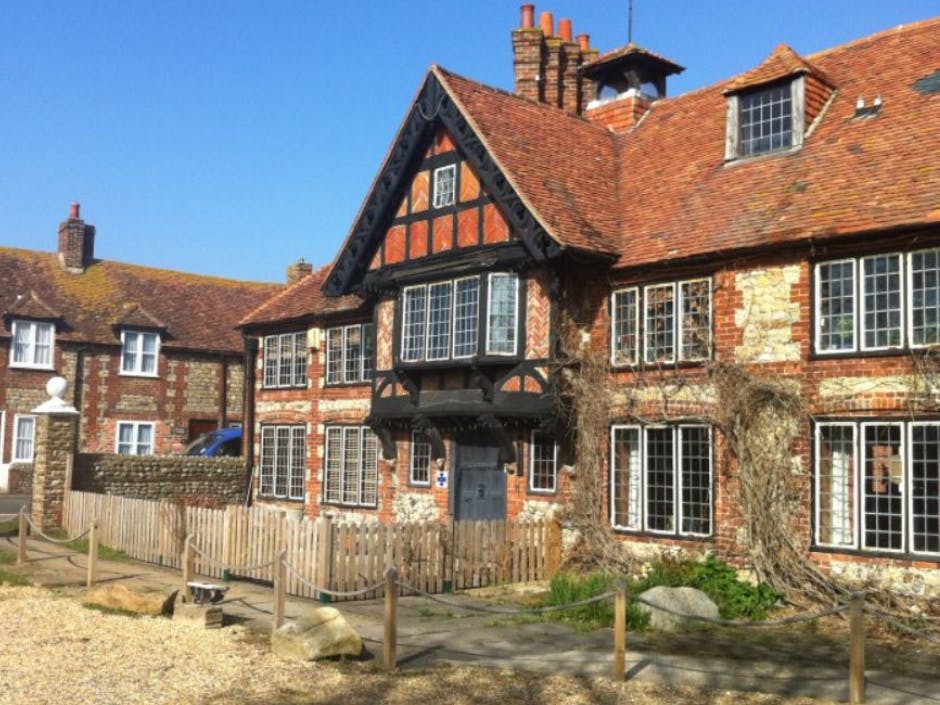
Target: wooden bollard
x,y
280,587
92,554
21,545
857,649
188,564
391,619
620,630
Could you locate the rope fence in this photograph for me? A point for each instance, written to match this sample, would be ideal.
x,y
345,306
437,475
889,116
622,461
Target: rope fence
x,y
392,585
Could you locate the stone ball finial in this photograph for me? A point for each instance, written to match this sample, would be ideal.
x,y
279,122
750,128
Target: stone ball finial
x,y
56,387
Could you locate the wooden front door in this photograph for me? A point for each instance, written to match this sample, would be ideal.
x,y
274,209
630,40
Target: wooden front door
x,y
199,426
480,491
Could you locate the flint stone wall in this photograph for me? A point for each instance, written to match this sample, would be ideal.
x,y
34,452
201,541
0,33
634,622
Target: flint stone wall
x,y
180,478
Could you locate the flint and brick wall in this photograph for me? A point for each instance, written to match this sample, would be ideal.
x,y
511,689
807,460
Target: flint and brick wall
x,y
187,388
183,479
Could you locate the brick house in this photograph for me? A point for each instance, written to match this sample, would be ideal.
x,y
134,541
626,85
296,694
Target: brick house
x,y
152,356
786,221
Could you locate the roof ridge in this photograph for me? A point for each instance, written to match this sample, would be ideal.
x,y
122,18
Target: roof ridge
x,y
880,34
288,290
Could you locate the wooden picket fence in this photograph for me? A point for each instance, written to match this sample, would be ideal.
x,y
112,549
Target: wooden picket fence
x,y
339,556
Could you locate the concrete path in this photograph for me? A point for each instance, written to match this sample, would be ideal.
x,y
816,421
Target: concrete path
x,y
430,633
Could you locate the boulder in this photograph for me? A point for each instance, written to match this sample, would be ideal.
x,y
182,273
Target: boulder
x,y
684,600
320,634
124,598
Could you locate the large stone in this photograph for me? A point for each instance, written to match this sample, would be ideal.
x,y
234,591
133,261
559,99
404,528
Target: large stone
x,y
321,634
122,597
682,600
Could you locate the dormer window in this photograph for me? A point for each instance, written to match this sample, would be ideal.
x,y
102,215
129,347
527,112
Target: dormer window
x,y
32,344
139,351
445,179
766,120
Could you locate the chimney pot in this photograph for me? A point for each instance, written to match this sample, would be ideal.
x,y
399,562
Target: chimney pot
x,y
73,211
565,30
528,16
584,42
298,270
547,23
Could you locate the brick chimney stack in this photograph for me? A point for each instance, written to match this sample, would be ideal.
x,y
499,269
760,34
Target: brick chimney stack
x,y
76,242
546,64
298,270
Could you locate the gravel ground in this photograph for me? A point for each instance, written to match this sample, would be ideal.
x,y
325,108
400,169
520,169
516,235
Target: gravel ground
x,y
57,651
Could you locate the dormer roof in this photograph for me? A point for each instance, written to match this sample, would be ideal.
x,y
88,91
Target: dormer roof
x,y
783,62
29,305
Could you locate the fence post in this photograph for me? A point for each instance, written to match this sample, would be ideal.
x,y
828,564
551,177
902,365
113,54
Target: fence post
x,y
620,629
280,586
92,554
187,563
21,545
857,648
325,557
391,619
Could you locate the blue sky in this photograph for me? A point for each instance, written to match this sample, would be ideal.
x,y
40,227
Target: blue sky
x,y
231,138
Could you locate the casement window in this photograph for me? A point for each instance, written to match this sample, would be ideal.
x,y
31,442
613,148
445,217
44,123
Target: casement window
x,y
285,360
766,119
661,479
543,463
420,468
445,182
139,353
676,323
283,461
878,302
440,321
24,435
877,486
502,313
33,343
134,438
349,354
350,473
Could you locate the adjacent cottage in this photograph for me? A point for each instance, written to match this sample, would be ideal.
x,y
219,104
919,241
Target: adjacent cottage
x,y
776,233
152,357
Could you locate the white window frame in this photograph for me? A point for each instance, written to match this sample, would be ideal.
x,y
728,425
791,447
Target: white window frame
x,y
448,348
646,323
3,433
409,330
364,371
268,462
17,418
453,326
860,293
451,194
136,369
680,316
515,314
637,491
678,513
274,346
859,496
817,308
617,359
364,433
909,298
852,483
135,443
31,350
554,464
415,457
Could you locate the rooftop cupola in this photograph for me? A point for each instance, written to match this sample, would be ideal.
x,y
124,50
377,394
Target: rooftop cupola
x,y
626,82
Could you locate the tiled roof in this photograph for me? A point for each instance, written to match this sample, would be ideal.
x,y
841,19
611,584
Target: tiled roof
x,y
680,199
782,62
630,49
198,312
304,299
563,167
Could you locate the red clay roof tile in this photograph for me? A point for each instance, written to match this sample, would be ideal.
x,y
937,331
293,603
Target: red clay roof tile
x,y
304,299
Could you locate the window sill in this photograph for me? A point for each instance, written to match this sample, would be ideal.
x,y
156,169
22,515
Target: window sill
x,y
286,386
145,375
341,385
280,498
471,361
646,534
751,158
815,356
21,461
340,505
419,485
541,493
25,366
652,366
905,556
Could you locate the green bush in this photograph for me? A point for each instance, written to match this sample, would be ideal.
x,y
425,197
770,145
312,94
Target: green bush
x,y
735,599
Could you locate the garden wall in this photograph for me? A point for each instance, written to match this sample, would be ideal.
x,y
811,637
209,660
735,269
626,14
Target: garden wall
x,y
183,479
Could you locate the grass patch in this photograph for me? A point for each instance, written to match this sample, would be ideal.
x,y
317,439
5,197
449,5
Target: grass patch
x,y
81,545
10,527
104,609
736,599
11,577
7,557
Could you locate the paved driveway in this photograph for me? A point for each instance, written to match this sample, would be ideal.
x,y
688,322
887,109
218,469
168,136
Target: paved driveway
x,y
11,503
